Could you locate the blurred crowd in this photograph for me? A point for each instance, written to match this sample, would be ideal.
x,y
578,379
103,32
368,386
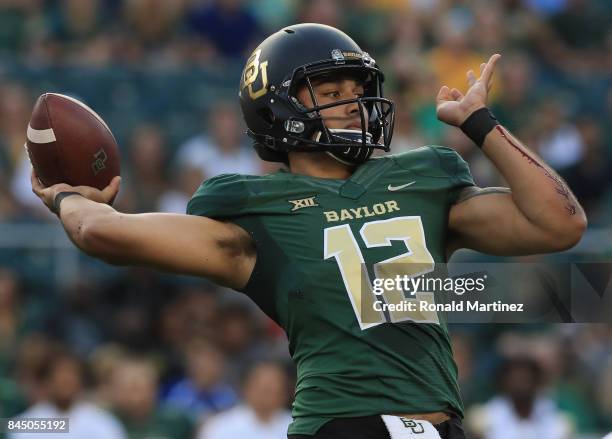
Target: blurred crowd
x,y
142,354
147,355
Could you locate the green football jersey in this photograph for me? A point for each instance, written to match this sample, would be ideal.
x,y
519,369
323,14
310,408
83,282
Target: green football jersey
x,y
320,242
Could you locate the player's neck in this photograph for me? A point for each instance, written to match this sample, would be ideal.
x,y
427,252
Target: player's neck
x,y
318,164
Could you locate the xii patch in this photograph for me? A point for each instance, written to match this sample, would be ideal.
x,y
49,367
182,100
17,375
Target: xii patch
x,y
303,202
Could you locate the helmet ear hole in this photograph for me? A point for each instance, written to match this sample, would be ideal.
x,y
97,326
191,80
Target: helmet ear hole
x,y
267,116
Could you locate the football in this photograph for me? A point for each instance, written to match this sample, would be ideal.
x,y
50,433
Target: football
x,y
67,142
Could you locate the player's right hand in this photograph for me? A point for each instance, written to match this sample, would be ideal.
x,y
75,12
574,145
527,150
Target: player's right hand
x,y
453,108
48,194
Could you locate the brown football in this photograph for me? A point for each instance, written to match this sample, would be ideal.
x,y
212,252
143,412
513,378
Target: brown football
x,y
69,143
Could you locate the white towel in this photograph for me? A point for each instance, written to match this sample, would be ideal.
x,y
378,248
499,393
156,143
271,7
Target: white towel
x,y
405,428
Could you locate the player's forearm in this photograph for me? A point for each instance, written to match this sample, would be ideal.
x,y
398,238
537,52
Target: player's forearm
x,y
84,221
537,190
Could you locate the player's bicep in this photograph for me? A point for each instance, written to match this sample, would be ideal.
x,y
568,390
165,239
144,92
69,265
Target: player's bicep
x,y
488,220
222,252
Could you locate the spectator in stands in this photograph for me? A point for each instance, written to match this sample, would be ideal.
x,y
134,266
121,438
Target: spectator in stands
x,y
15,109
463,353
191,315
134,398
273,14
11,317
12,400
11,328
239,337
31,355
520,411
186,180
262,415
518,75
405,45
320,11
16,319
223,150
148,159
227,26
416,117
546,7
489,28
591,344
603,394
607,120
102,364
76,318
582,24
560,142
590,178
131,303
19,22
77,21
61,380
150,31
453,55
203,391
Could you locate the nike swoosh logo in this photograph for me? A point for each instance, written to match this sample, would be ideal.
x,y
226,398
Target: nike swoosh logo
x,y
401,186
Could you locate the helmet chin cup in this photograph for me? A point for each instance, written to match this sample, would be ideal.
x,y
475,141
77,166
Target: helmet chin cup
x,y
350,136
351,149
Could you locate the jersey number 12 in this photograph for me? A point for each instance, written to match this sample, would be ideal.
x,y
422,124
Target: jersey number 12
x,y
340,243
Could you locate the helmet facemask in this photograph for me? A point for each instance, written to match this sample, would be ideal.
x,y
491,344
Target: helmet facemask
x,y
349,146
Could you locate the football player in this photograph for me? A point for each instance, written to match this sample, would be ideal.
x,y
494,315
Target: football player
x,y
302,243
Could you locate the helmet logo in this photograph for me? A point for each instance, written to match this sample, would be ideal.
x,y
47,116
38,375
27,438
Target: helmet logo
x,y
337,55
251,73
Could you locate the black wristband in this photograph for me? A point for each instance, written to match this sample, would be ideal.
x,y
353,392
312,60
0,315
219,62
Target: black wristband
x,y
58,200
478,125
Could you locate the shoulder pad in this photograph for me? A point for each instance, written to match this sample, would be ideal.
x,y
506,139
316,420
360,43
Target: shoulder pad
x,y
220,196
437,161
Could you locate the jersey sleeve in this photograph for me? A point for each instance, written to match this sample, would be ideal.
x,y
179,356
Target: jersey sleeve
x,y
241,200
223,196
456,168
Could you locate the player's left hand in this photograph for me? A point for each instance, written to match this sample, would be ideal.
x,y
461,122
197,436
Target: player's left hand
x,y
47,194
453,108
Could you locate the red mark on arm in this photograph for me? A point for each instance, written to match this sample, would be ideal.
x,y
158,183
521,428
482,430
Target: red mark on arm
x,y
560,187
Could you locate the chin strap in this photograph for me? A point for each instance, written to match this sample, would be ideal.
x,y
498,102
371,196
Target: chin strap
x,y
352,155
350,136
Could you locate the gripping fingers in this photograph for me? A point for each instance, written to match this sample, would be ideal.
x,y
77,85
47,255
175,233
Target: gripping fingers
x,y
37,186
110,192
40,191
